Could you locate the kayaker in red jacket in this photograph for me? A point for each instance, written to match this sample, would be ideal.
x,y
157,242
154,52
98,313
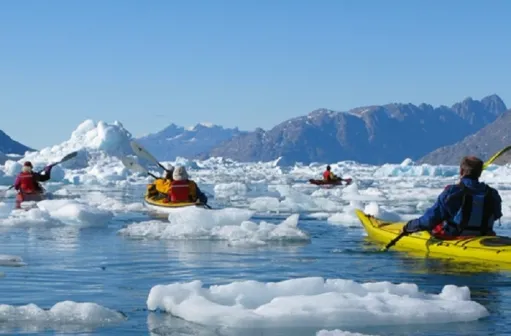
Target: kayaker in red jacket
x,y
329,176
181,188
468,208
28,183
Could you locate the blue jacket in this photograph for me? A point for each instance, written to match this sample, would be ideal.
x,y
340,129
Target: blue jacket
x,y
441,211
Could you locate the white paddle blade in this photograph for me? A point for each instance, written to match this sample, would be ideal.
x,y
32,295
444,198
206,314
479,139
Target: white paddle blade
x,y
133,165
141,152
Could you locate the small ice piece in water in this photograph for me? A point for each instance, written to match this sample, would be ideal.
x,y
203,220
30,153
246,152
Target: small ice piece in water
x,y
375,210
70,314
11,260
338,332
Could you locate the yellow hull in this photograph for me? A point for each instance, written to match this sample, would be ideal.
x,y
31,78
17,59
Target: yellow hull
x,y
159,205
485,248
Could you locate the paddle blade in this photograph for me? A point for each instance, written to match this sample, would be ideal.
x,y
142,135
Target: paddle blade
x,y
141,152
133,165
495,157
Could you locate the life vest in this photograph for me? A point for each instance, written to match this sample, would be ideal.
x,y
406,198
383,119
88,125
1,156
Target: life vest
x,y
180,191
326,175
28,184
475,214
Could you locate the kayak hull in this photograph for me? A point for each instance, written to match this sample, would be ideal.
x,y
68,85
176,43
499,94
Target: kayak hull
x,y
332,183
159,205
28,200
36,197
484,248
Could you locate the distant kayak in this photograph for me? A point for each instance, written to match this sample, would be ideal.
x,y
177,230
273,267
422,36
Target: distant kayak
x,y
347,181
486,248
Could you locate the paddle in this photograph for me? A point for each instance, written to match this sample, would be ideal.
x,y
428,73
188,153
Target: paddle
x,y
495,157
485,165
64,159
133,165
141,152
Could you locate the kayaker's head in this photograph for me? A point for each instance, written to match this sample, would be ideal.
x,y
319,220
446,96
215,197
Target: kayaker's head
x,y
328,168
471,167
169,172
27,167
180,174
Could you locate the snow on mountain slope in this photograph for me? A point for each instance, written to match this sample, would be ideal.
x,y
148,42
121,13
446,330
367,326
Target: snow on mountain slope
x,y
176,141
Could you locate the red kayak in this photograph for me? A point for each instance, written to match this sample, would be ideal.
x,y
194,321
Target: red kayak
x,y
324,182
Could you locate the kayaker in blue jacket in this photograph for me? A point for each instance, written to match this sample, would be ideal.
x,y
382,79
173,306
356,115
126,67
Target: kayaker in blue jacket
x,y
468,208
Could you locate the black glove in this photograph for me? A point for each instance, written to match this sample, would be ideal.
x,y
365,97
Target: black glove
x,y
406,228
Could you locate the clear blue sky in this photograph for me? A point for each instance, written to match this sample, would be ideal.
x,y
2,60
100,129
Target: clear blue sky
x,y
246,63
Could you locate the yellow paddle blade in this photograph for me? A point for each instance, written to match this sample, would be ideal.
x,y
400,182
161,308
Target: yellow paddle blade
x,y
495,157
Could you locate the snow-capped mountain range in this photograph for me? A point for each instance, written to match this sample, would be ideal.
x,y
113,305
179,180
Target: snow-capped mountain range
x,y
371,134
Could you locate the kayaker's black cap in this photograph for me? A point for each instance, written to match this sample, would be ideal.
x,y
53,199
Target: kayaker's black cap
x,y
327,167
471,167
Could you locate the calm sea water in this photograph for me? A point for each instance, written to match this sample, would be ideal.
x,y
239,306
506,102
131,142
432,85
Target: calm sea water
x,y
98,265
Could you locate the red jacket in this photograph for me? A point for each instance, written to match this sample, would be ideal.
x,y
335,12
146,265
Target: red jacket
x,y
27,183
180,191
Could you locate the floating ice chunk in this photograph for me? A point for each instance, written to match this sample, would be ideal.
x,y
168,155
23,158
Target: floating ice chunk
x,y
413,170
57,213
265,203
29,218
375,210
11,260
102,201
347,217
65,313
338,332
226,224
76,214
194,216
312,302
293,201
229,190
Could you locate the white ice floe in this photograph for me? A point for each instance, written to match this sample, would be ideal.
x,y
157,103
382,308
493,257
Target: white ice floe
x,y
337,332
59,212
104,202
377,211
347,217
66,313
230,190
293,201
225,224
409,169
313,301
11,260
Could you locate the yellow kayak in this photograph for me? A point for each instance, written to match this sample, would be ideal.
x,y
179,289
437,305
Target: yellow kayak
x,y
155,202
485,248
